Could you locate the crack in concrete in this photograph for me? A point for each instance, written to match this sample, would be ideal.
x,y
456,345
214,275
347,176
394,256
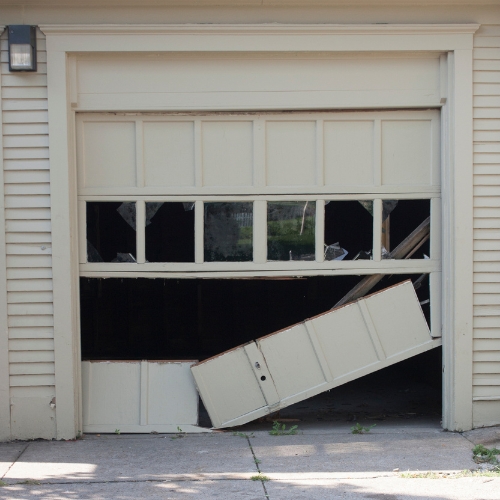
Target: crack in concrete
x,y
257,461
14,462
118,481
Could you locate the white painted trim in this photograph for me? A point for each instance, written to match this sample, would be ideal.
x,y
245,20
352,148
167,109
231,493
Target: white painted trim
x,y
377,230
268,191
64,257
4,332
199,232
259,38
355,267
287,196
457,238
246,274
458,241
240,30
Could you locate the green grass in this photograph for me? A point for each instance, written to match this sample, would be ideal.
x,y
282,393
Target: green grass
x,y
359,429
260,477
30,482
482,454
495,472
281,430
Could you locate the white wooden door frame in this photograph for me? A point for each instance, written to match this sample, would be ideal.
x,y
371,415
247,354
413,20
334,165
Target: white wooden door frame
x,y
456,41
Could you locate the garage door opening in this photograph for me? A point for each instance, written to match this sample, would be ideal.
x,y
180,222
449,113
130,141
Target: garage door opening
x,y
170,319
180,319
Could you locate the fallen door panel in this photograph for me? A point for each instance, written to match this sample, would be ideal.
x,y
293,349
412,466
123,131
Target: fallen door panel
x,y
313,356
291,359
230,387
398,320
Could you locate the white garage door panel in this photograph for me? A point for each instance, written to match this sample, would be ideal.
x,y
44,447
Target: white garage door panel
x,y
314,356
172,394
408,143
256,81
288,353
347,324
238,392
348,152
139,396
169,153
291,153
108,153
406,325
112,392
245,153
227,153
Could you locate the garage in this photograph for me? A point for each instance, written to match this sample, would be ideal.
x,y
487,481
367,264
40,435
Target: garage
x,y
182,195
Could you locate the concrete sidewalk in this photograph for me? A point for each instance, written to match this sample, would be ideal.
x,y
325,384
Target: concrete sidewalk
x,y
322,461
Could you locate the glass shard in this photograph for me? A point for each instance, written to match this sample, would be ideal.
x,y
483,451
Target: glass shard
x,y
228,233
111,235
127,211
335,252
349,224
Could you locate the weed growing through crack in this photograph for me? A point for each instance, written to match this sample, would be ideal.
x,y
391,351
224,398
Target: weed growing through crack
x,y
481,454
180,434
243,434
32,482
281,430
494,472
260,477
117,431
2,483
359,429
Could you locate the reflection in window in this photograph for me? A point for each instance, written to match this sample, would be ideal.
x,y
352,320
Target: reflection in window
x,y
291,230
348,230
111,231
404,216
169,232
228,235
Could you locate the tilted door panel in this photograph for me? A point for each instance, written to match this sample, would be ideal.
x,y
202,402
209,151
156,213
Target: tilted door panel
x,y
313,356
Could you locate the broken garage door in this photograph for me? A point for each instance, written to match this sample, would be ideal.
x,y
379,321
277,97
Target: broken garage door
x,y
314,356
255,195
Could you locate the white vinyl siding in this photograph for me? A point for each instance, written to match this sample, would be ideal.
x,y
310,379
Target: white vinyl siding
x,y
486,390
28,247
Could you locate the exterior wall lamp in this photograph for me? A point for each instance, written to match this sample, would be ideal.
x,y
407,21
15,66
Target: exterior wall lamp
x,y
22,47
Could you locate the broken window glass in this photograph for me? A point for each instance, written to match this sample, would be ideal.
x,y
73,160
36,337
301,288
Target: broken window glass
x,y
170,232
111,231
228,233
403,217
291,230
348,230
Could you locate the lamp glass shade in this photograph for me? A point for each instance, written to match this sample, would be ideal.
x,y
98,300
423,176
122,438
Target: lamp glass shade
x,y
21,56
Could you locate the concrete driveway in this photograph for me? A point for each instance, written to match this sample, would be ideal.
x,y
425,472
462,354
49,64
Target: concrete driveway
x,y
322,461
